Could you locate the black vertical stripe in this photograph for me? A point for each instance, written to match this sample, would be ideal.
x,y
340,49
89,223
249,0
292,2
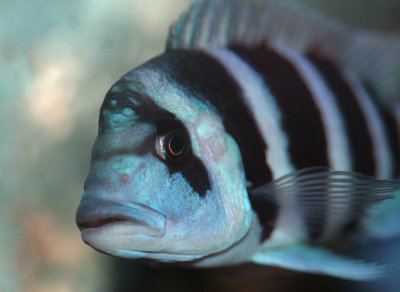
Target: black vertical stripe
x,y
392,130
360,140
204,77
267,209
301,117
192,169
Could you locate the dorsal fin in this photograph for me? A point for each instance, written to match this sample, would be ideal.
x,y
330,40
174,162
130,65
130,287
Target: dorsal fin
x,y
223,23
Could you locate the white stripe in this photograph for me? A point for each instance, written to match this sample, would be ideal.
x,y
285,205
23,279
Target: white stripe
x,y
335,132
289,228
376,128
262,104
338,148
396,114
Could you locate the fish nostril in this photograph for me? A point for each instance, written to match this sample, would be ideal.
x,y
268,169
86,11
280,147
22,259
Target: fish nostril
x,y
138,174
125,177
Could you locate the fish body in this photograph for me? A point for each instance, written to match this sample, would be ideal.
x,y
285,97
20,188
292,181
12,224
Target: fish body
x,y
258,136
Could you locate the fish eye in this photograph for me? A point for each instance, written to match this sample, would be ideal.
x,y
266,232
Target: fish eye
x,y
173,146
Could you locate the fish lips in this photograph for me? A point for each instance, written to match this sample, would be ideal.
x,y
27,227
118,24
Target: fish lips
x,y
95,214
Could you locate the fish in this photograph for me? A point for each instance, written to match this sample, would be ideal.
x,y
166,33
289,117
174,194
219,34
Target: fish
x,y
266,133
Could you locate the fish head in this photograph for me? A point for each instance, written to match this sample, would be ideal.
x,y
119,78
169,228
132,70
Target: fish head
x,y
166,181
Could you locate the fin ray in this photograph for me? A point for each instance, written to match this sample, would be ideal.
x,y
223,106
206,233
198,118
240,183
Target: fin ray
x,y
329,200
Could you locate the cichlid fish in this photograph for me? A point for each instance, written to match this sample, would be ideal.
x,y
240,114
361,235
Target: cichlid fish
x,y
258,136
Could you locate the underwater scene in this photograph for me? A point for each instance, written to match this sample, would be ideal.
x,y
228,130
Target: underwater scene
x,y
58,61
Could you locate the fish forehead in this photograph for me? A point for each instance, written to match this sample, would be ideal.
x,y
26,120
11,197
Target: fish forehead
x,y
159,83
156,87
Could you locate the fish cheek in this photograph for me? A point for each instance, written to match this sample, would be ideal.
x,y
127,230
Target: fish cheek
x,y
175,196
187,210
194,173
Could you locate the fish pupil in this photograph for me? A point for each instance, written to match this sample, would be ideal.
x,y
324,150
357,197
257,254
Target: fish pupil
x,y
173,146
176,145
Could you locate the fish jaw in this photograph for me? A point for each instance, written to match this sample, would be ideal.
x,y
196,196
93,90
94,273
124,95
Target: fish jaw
x,y
110,226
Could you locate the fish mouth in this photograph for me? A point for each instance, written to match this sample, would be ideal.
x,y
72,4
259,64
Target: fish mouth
x,y
95,214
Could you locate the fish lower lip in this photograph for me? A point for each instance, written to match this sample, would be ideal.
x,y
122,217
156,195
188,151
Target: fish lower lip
x,y
94,213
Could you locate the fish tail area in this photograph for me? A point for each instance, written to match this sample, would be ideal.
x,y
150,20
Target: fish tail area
x,y
376,58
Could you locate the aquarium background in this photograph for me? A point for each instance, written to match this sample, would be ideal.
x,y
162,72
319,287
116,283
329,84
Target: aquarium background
x,y
57,60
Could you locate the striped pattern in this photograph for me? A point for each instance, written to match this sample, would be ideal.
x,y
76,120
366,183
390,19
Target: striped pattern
x,y
301,119
377,128
335,133
205,77
360,140
388,128
309,113
209,80
289,111
267,116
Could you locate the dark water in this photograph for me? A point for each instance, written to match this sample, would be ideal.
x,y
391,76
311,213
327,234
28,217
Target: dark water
x,y
129,276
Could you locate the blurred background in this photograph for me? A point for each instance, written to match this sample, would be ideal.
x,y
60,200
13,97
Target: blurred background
x,y
57,60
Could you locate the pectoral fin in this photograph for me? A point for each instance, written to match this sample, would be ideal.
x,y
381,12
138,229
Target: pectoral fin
x,y
325,200
319,261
